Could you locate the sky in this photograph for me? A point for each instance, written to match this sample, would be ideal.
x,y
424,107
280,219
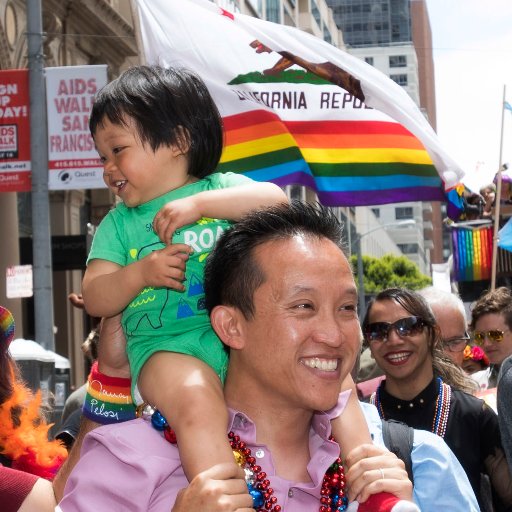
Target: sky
x,y
472,41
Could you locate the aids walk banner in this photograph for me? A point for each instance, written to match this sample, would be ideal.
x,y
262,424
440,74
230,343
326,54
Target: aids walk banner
x,y
72,159
14,131
298,110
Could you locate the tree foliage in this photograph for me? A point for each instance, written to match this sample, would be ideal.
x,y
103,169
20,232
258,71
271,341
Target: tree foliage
x,y
390,271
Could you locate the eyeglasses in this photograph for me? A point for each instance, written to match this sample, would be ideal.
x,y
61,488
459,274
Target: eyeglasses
x,y
457,343
495,336
379,331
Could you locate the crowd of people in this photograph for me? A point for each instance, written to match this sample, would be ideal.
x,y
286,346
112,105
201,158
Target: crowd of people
x,y
276,318
222,379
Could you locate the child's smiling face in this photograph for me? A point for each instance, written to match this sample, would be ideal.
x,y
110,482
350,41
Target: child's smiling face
x,y
132,170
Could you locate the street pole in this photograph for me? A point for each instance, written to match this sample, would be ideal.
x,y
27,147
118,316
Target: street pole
x,y
41,238
494,261
360,279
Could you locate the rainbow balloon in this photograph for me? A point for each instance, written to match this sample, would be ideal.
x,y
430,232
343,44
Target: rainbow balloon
x,y
472,253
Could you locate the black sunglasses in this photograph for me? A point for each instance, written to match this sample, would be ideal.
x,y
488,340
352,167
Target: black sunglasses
x,y
408,326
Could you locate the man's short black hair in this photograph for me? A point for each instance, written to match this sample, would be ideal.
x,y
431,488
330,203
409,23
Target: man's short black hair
x,y
232,274
170,107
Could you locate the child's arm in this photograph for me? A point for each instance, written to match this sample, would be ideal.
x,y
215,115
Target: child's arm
x,y
351,431
227,203
107,287
351,426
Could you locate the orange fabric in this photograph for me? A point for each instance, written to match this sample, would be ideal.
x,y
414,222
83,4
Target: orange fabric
x,y
27,444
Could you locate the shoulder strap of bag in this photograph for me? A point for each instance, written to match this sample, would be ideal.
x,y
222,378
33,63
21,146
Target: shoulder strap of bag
x,y
398,438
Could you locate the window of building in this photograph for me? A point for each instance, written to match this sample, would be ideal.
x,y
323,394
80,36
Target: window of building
x,y
315,11
273,11
369,60
409,248
288,18
399,79
327,35
397,61
376,212
403,212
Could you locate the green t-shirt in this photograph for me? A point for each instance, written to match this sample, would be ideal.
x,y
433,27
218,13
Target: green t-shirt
x,y
160,318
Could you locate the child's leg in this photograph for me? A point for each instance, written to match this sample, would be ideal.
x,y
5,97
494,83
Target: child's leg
x,y
350,429
189,394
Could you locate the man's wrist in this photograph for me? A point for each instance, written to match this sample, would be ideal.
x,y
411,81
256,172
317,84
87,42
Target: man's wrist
x,y
108,399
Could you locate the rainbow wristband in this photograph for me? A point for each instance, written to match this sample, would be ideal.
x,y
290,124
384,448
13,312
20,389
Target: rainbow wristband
x,y
108,399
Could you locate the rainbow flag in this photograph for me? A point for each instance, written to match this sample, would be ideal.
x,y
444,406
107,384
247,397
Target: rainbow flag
x,y
298,110
472,253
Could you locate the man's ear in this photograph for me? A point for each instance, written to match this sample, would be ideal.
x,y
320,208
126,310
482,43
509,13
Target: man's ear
x,y
226,322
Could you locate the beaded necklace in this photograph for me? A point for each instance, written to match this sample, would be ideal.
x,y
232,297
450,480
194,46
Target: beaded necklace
x,y
441,413
333,497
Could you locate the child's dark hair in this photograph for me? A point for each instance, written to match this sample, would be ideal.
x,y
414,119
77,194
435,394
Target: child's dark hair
x,y
169,106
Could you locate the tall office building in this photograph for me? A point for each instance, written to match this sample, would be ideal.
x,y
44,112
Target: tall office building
x,y
373,22
395,37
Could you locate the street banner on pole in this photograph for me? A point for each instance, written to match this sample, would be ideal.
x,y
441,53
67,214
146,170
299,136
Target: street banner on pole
x,y
72,159
14,131
298,110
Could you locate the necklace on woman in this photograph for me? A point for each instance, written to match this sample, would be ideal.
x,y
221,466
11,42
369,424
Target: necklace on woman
x,y
442,410
333,496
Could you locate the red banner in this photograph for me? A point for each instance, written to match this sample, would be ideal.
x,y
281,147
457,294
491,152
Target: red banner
x,y
14,131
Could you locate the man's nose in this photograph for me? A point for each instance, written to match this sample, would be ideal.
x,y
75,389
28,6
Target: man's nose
x,y
328,331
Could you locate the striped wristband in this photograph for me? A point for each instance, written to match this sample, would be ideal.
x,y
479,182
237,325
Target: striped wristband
x,y
108,399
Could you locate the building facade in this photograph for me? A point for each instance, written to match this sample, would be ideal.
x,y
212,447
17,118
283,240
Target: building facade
x,y
395,37
76,33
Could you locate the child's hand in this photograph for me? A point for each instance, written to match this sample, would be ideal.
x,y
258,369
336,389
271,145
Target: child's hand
x,y
174,215
166,267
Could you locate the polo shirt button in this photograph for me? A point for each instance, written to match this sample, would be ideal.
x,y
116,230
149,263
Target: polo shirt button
x,y
290,493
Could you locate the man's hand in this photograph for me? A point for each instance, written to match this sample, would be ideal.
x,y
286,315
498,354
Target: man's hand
x,y
374,469
166,267
174,215
218,489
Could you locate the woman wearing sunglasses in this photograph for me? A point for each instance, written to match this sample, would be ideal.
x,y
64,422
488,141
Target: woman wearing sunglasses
x,y
426,390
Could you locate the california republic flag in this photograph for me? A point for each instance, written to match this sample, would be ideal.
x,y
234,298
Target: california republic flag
x,y
298,110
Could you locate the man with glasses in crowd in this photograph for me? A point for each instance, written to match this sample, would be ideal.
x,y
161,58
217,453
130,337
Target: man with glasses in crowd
x,y
491,322
451,319
450,316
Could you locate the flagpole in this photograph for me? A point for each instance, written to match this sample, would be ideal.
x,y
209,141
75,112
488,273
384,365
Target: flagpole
x,y
498,199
